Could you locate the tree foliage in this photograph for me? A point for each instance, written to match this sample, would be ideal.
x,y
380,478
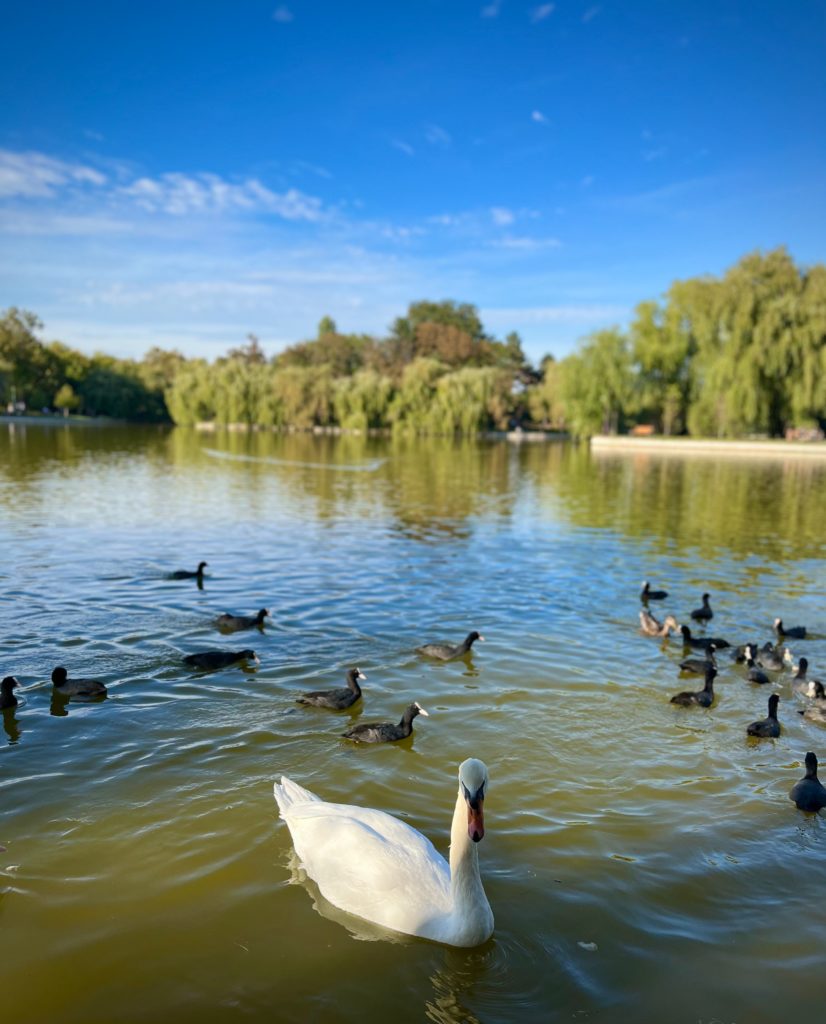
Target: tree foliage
x,y
744,353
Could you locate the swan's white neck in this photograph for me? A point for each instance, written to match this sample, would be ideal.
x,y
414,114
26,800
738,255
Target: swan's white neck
x,y
471,910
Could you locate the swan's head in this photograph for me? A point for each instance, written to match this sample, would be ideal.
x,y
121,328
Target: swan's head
x,y
473,783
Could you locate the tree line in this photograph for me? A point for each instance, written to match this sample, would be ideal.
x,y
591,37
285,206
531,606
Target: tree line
x,y
744,353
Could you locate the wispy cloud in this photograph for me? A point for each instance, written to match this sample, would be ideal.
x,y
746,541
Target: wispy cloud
x,y
405,147
283,15
552,314
491,10
655,154
36,175
180,194
587,181
590,14
502,216
539,117
542,12
437,136
526,243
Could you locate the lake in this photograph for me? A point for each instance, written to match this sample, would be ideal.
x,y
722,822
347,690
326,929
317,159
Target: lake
x,y
643,861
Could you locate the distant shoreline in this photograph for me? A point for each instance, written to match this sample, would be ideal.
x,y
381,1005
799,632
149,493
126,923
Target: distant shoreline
x,y
602,443
56,420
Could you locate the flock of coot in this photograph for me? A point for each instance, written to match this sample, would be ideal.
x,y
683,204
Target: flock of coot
x,y
808,794
210,660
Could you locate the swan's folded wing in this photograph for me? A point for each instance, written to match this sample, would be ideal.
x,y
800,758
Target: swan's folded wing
x,y
371,864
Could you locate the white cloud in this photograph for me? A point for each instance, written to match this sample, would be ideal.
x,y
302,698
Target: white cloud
x,y
539,117
552,314
542,12
405,147
35,175
526,244
180,194
437,136
590,14
283,15
502,216
491,10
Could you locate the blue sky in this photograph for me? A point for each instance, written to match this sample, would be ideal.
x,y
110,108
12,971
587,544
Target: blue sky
x,y
181,174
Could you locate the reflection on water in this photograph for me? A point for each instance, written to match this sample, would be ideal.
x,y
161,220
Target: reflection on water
x,y
143,827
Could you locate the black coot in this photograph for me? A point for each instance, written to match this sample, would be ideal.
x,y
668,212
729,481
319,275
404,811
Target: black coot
x,y
703,697
796,632
76,687
386,732
809,794
7,697
446,652
704,613
185,574
338,700
233,623
767,728
219,659
647,594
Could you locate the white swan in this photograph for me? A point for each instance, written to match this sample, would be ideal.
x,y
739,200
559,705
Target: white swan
x,y
373,865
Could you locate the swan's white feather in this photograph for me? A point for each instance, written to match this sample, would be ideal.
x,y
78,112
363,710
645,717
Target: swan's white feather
x,y
369,863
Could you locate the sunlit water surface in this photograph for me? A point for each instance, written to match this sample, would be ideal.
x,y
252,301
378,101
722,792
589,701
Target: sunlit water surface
x,y
643,862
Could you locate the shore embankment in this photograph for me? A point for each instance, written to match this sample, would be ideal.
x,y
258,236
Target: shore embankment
x,y
716,447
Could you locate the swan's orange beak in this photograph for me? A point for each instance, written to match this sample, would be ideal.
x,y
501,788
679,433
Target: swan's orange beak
x,y
475,820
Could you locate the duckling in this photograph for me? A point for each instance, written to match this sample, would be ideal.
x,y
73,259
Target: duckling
x,y
386,732
651,626
76,687
704,697
703,614
767,728
647,594
7,697
797,632
808,794
338,700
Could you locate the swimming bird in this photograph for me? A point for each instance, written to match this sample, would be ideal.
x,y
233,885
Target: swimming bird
x,y
447,652
702,642
801,684
7,697
796,632
343,697
817,711
697,665
219,659
808,794
647,594
185,574
370,864
651,626
232,623
767,728
704,613
76,687
754,674
770,658
386,732
703,697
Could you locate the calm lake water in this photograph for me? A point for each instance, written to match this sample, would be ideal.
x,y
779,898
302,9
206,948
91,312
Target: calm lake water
x,y
643,862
